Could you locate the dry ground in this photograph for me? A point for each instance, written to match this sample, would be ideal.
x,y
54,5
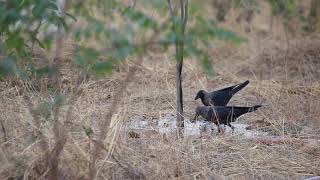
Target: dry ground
x,y
284,77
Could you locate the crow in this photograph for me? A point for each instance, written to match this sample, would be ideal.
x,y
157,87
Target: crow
x,y
220,97
222,114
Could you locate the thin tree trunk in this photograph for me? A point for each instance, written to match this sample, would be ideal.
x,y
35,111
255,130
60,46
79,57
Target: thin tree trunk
x,y
180,54
179,45
180,118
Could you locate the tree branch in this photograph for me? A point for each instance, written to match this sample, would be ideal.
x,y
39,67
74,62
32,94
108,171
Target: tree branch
x,y
4,131
182,10
171,9
185,19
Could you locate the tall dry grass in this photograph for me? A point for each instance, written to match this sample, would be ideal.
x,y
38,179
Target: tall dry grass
x,y
284,79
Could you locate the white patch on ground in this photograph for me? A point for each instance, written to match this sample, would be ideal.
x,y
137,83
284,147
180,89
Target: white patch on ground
x,y
167,124
137,124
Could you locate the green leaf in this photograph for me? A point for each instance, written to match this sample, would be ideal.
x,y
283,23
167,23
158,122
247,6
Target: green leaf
x,y
15,41
22,3
51,4
2,73
46,71
87,33
71,16
43,109
89,55
58,101
39,9
102,68
138,17
8,66
191,49
88,130
47,41
123,52
159,5
63,23
227,35
2,48
206,65
171,38
77,35
194,8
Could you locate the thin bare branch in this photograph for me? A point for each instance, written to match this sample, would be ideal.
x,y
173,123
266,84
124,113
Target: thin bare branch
x,y
185,19
171,9
4,131
182,10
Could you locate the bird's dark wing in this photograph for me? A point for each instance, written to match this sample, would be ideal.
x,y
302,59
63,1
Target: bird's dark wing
x,y
238,111
227,114
227,88
234,88
224,113
220,98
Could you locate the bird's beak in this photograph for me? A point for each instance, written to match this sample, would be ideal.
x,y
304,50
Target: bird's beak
x,y
197,97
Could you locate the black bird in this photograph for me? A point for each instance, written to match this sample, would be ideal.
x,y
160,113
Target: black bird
x,y
220,97
222,114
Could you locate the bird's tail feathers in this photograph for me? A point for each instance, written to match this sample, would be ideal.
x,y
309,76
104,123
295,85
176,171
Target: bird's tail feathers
x,y
240,86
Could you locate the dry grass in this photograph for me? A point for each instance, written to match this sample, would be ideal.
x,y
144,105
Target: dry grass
x,y
289,79
284,79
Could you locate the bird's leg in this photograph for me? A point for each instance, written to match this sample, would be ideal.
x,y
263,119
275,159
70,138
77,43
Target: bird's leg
x,y
220,129
232,127
211,128
195,117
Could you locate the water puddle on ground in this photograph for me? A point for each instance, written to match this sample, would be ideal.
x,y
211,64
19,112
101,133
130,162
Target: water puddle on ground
x,y
167,124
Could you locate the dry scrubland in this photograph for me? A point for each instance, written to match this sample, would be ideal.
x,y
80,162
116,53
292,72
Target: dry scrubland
x,y
285,79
